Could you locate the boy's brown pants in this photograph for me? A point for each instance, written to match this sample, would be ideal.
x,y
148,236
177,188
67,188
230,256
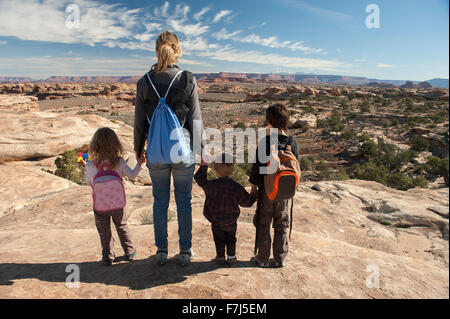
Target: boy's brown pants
x,y
103,223
275,212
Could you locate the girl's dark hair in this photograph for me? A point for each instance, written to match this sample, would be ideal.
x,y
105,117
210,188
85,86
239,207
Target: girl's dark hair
x,y
277,115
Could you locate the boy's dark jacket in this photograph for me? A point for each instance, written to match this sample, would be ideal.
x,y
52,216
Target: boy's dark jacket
x,y
223,198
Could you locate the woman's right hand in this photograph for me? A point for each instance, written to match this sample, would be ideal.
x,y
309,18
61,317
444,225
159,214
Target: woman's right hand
x,y
140,159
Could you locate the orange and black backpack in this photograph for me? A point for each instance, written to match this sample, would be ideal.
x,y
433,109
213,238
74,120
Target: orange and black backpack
x,y
282,184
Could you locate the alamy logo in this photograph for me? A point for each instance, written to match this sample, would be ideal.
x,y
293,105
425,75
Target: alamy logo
x,y
73,279
373,19
373,280
73,17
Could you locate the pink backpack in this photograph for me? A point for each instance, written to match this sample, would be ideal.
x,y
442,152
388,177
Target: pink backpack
x,y
108,192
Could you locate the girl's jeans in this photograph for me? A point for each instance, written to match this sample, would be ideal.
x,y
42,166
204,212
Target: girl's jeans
x,y
182,179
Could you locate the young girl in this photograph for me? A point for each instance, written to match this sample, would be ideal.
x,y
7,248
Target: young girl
x,y
105,148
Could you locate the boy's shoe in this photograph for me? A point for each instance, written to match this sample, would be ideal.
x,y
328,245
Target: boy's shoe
x,y
131,256
185,256
259,263
231,261
107,262
219,260
161,257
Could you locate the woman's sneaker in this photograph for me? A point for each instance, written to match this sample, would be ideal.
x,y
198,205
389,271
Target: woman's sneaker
x,y
161,257
259,263
185,256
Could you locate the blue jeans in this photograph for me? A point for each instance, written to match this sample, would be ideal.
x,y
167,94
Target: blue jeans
x,y
182,179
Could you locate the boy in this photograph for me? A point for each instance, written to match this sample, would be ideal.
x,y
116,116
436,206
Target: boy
x,y
221,209
269,211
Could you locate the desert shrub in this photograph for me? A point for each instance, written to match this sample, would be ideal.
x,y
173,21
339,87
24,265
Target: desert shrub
x,y
332,124
395,122
68,168
365,107
364,137
305,163
348,134
241,125
436,167
344,105
420,181
439,117
419,143
399,181
384,154
352,115
322,166
371,172
146,218
386,102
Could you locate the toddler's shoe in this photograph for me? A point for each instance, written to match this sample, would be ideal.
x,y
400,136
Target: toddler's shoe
x,y
219,260
131,256
231,261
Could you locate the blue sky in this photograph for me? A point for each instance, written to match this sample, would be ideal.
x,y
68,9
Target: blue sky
x,y
321,37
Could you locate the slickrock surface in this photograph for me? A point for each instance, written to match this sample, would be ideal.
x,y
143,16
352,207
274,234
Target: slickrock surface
x,y
18,103
334,241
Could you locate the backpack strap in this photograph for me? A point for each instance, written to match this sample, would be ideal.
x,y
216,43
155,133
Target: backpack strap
x,y
156,91
170,86
290,222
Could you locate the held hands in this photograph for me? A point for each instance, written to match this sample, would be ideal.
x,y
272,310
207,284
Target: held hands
x,y
141,159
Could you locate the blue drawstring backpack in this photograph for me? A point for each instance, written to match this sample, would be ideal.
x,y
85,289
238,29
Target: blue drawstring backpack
x,y
165,142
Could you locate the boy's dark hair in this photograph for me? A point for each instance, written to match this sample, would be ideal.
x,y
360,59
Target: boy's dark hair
x,y
277,115
224,165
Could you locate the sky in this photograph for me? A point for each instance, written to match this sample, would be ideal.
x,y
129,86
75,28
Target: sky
x,y
399,40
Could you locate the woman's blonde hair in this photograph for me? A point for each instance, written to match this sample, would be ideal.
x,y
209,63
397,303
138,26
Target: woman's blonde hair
x,y
168,50
105,145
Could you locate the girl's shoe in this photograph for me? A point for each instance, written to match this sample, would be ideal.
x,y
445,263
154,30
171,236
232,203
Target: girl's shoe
x,y
185,256
259,263
131,256
161,257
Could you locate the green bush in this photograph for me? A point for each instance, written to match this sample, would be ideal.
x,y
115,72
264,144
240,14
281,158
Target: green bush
x,y
305,163
436,167
68,168
419,143
241,125
370,172
333,123
365,107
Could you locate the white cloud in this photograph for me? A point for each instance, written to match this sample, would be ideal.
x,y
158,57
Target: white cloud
x,y
46,21
187,29
384,65
199,14
233,55
220,15
224,35
271,42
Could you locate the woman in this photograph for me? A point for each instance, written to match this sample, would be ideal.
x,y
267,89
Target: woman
x,y
183,99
